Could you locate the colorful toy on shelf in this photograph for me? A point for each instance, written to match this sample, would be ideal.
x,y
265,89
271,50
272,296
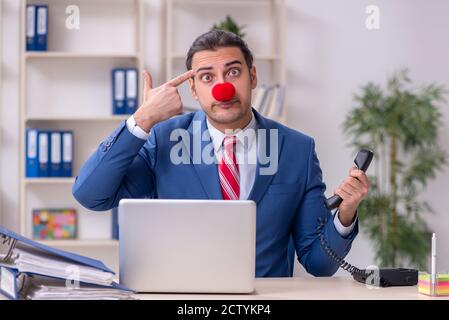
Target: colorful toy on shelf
x,y
54,223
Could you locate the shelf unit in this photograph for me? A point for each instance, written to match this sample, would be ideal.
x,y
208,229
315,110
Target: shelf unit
x,y
99,118
69,87
269,53
74,55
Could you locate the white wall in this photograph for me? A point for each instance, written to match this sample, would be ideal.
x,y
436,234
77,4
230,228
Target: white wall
x,y
329,55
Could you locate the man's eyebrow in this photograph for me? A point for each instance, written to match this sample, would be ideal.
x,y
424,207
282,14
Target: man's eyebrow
x,y
227,64
203,68
233,62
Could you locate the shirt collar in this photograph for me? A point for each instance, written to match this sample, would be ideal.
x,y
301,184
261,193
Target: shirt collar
x,y
217,136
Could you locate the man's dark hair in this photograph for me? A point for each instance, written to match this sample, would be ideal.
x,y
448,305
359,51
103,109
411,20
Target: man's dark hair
x,y
215,39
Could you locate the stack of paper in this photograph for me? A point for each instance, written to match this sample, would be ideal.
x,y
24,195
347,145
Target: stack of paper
x,y
32,270
41,288
441,287
61,293
40,263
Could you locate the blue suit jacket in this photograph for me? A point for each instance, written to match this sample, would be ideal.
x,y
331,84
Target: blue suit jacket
x,y
289,202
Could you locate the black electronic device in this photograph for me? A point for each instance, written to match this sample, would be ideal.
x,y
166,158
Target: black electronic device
x,y
362,161
382,277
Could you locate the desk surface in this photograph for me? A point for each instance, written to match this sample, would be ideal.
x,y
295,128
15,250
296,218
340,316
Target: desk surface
x,y
306,289
303,289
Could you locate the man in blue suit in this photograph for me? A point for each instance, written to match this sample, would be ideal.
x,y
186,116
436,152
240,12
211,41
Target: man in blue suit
x,y
155,155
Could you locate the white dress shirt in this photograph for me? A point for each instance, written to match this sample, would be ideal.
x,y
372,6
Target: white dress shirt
x,y
246,151
135,129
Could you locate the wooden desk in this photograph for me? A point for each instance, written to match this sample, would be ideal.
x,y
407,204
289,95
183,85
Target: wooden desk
x,y
303,289
306,289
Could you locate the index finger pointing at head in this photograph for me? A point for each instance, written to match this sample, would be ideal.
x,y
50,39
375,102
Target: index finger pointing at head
x,y
180,79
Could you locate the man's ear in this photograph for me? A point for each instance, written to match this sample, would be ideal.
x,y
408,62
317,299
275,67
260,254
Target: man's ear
x,y
192,89
253,77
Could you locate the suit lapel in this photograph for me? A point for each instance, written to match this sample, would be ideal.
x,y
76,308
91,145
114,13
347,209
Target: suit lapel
x,y
207,172
262,181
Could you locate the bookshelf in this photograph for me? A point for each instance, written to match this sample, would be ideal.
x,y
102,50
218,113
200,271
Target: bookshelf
x,y
68,87
200,15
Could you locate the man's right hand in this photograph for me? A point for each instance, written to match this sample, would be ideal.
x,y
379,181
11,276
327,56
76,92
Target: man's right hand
x,y
160,103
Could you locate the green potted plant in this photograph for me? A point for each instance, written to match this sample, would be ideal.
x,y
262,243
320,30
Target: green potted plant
x,y
400,125
230,25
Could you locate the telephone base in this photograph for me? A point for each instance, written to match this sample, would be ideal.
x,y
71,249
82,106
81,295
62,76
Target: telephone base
x,y
387,277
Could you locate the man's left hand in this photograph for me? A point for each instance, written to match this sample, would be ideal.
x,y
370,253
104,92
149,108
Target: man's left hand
x,y
352,190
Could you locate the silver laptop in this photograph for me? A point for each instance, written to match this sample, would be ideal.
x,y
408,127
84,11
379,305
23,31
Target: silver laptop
x,y
201,246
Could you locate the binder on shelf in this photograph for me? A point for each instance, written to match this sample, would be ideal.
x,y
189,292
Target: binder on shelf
x,y
260,96
30,27
49,153
266,101
115,223
32,162
131,84
280,97
118,91
55,154
32,270
43,138
67,153
276,104
41,27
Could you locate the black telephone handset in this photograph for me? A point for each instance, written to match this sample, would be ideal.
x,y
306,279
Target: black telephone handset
x,y
362,161
383,277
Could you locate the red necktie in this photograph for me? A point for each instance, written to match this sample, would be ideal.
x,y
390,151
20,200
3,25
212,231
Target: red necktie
x,y
228,170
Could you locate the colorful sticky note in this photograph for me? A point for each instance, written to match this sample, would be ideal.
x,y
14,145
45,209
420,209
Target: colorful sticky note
x,y
441,287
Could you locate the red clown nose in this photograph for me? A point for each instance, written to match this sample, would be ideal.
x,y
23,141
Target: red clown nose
x,y
223,91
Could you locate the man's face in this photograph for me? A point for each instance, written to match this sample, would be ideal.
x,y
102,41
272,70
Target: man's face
x,y
223,65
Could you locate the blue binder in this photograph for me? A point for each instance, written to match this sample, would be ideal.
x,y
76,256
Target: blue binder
x,y
41,27
32,164
118,91
9,274
67,153
115,223
9,282
56,154
30,27
43,153
12,238
131,84
15,284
